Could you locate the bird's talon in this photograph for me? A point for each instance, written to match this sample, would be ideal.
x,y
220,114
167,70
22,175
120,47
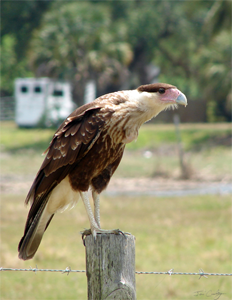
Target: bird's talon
x,y
127,233
94,233
123,233
118,231
84,234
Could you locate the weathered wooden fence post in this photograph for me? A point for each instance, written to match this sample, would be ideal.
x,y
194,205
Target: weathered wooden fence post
x,y
110,267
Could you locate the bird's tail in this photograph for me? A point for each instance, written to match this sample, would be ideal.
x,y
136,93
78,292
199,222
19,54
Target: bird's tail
x,y
34,230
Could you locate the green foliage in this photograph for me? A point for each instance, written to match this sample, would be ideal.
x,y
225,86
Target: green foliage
x,y
113,42
218,77
76,42
20,19
10,68
218,17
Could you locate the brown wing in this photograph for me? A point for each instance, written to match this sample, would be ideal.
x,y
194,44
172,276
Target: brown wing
x,y
72,141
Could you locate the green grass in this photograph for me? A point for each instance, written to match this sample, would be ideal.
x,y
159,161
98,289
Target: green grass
x,y
186,234
194,136
207,151
150,136
15,139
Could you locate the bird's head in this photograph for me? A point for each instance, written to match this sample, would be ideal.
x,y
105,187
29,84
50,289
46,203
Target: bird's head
x,y
161,95
147,101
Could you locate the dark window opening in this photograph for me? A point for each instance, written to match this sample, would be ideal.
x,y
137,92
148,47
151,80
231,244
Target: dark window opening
x,y
24,89
57,93
37,89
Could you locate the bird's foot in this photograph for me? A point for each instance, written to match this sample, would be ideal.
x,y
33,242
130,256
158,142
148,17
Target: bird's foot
x,y
96,231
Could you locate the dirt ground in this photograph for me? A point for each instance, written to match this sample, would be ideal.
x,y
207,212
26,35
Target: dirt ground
x,y
159,186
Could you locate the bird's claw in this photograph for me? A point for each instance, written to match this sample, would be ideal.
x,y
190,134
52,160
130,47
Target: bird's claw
x,y
95,232
84,234
118,231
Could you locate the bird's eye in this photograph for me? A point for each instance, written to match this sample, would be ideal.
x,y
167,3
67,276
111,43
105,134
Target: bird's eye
x,y
161,90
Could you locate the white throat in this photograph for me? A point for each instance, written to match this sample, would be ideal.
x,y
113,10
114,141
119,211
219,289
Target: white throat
x,y
145,105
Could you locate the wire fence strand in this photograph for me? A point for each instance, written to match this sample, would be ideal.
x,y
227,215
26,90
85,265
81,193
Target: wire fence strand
x,y
68,270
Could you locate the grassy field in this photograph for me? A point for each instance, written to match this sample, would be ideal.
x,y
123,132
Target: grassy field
x,y
207,151
185,233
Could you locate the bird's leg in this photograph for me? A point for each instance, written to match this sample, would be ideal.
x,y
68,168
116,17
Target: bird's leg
x,y
96,201
93,223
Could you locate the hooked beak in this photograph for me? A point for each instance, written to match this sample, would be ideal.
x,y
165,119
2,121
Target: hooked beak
x,y
181,99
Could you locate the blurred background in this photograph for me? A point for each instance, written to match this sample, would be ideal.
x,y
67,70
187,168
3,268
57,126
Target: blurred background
x,y
121,45
173,187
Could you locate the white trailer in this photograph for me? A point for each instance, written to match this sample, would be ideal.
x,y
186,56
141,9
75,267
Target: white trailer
x,y
42,101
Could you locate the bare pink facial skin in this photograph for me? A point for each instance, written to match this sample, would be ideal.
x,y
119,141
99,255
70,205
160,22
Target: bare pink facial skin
x,y
175,96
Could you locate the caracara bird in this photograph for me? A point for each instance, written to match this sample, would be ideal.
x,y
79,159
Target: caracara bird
x,y
85,152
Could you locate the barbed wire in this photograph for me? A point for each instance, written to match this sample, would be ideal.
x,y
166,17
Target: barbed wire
x,y
68,270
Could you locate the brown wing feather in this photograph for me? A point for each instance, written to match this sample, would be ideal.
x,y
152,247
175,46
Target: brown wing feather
x,y
70,143
73,139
